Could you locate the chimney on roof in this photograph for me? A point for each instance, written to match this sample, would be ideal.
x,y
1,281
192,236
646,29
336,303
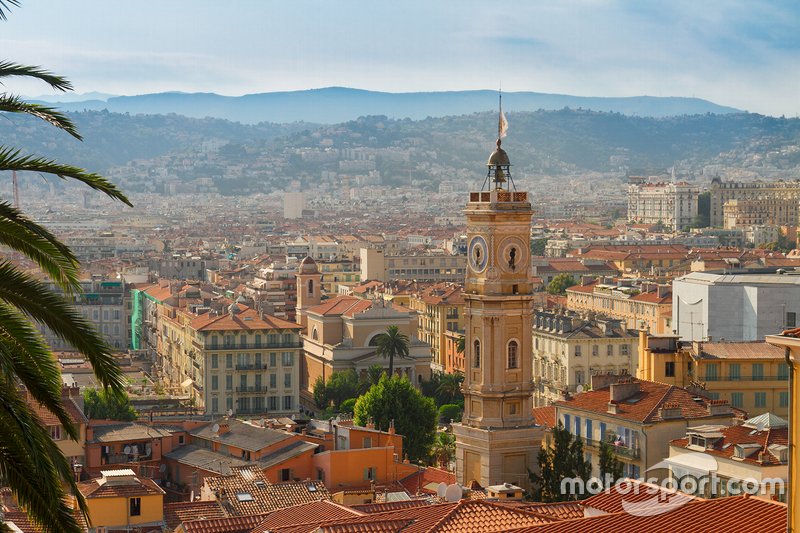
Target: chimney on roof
x,y
718,407
613,408
624,389
670,410
663,290
603,380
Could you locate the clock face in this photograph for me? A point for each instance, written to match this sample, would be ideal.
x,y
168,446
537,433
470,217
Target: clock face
x,y
478,254
513,255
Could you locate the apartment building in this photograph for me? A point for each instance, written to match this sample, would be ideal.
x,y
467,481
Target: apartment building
x,y
568,349
674,205
639,418
756,450
642,305
752,376
740,214
431,267
777,200
441,310
102,302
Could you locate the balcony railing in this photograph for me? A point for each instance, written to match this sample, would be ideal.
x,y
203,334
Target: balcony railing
x,y
252,346
251,366
745,378
625,451
251,390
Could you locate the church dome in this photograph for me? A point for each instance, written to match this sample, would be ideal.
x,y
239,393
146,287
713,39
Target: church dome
x,y
308,266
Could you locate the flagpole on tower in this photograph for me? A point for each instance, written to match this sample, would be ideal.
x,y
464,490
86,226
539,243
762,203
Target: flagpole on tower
x,y
502,123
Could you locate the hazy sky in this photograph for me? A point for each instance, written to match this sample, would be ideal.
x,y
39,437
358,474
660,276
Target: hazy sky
x,y
740,53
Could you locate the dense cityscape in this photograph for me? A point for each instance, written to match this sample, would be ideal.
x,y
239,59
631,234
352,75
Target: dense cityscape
x,y
548,320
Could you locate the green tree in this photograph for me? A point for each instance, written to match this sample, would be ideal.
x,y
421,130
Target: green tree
x,y
321,393
443,450
610,466
560,284
348,405
342,386
449,412
461,343
414,415
372,377
538,245
30,463
563,460
102,405
393,343
449,389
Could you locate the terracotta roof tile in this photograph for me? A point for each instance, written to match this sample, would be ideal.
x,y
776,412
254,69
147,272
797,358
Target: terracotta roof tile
x,y
305,513
246,319
371,508
98,488
642,406
418,481
176,513
545,416
733,514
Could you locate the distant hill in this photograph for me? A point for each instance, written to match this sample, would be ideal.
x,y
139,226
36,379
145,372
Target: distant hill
x,y
339,104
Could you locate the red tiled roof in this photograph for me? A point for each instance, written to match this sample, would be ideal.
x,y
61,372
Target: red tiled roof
x,y
559,510
341,306
418,480
305,513
545,416
141,486
382,507
733,514
245,319
177,513
231,524
642,406
739,434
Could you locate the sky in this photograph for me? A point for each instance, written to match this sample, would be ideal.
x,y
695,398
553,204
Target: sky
x,y
742,53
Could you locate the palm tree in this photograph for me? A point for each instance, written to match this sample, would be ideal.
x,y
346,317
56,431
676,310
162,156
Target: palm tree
x,y
450,386
30,462
390,344
460,344
443,450
372,377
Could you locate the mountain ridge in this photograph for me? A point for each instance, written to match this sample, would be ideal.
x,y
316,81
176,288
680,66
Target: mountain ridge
x,y
333,105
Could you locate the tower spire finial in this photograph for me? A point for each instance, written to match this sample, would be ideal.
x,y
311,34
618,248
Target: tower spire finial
x,y
502,123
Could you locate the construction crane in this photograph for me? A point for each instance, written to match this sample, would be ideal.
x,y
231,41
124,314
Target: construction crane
x,y
16,188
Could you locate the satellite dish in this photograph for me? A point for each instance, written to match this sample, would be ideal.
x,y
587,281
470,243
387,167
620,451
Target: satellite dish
x,y
441,489
148,448
162,468
126,450
230,412
215,428
453,493
579,389
760,426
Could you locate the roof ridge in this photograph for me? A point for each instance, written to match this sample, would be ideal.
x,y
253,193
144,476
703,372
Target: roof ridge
x,y
659,403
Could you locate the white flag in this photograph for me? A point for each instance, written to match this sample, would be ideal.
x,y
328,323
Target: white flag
x,y
502,126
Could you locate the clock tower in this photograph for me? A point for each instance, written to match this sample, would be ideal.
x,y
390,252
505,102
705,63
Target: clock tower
x,y
497,440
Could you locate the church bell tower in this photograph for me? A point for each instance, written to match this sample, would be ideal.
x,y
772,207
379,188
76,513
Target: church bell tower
x,y
497,440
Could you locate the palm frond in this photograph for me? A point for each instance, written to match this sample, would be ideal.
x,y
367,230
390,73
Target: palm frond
x,y
46,307
9,69
24,354
5,5
34,466
54,258
10,159
13,104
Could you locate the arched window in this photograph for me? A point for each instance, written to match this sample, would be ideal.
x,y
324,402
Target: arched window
x,y
314,334
310,287
476,352
512,354
374,340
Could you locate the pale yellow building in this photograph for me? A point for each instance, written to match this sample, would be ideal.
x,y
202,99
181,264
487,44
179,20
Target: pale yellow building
x,y
119,500
647,306
441,309
569,348
789,343
755,193
752,376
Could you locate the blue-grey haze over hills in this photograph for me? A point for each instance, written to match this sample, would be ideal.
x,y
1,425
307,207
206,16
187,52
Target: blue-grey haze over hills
x,y
333,105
